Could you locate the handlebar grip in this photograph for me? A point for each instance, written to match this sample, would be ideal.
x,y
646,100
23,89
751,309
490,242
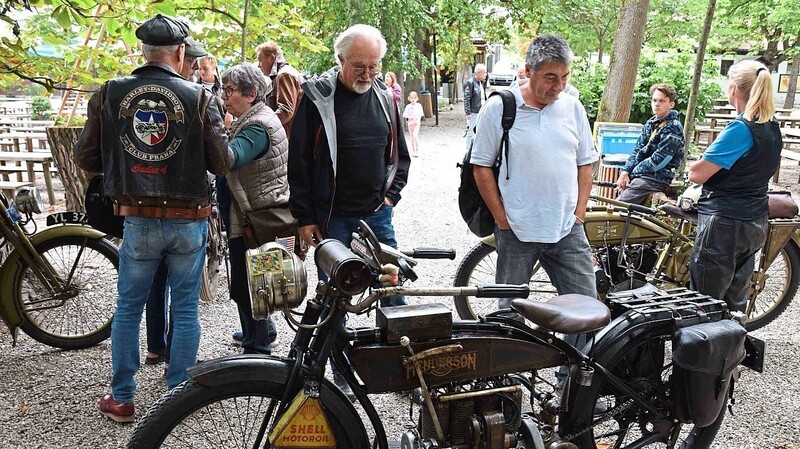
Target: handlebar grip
x,y
606,184
503,291
431,253
642,209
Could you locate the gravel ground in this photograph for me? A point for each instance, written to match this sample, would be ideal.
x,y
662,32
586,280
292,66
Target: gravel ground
x,y
49,398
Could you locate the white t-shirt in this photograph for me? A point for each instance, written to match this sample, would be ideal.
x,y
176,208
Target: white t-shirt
x,y
546,147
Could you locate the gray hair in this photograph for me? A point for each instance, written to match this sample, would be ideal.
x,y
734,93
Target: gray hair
x,y
548,48
341,46
479,67
158,52
247,78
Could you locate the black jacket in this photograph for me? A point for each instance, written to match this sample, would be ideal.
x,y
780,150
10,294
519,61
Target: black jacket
x,y
312,182
472,98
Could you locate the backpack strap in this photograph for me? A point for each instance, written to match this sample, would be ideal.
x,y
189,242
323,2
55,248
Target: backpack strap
x,y
507,121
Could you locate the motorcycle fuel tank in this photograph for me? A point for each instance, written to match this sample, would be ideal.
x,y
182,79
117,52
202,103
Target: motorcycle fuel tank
x,y
607,226
381,368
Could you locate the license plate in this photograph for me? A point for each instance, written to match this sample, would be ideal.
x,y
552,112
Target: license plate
x,y
66,218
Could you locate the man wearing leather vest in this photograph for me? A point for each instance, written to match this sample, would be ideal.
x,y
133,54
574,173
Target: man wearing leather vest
x,y
154,135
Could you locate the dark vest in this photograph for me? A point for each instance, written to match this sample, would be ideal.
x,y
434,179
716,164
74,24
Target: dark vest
x,y
152,139
741,192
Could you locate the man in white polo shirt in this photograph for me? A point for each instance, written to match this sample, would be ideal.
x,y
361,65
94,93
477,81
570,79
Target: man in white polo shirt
x,y
540,200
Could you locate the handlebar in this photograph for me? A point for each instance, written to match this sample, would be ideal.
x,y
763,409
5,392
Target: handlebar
x,y
478,291
632,207
431,253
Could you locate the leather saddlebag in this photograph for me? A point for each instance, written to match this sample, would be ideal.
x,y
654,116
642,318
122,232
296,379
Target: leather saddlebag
x,y
781,205
704,357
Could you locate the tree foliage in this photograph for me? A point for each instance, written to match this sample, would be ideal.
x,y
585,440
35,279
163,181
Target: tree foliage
x,y
590,78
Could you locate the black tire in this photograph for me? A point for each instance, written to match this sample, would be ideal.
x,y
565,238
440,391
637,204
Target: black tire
x,y
223,416
479,267
779,290
644,364
79,316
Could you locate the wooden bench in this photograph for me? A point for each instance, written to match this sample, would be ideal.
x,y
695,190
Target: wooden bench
x,y
29,158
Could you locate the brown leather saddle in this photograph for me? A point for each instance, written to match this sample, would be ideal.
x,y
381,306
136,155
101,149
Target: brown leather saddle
x,y
567,314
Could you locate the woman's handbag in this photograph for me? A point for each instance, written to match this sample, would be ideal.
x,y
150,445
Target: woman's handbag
x,y
263,226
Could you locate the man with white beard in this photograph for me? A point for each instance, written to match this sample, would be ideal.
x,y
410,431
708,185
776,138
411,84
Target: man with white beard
x,y
348,159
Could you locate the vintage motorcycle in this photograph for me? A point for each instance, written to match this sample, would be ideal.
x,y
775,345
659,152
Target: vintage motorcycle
x,y
482,382
59,285
635,244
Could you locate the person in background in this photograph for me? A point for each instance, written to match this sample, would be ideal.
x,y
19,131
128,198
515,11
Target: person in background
x,y
156,175
735,171
413,114
348,159
257,182
522,77
286,80
658,152
474,96
394,88
209,74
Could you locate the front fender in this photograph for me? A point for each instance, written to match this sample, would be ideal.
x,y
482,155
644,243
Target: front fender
x,y
257,367
13,263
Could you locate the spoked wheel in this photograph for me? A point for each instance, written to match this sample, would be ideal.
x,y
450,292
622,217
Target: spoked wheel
x,y
603,416
78,314
783,277
236,415
216,261
479,267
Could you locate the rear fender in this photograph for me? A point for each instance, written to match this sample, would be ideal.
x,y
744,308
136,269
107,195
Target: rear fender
x,y
13,264
256,367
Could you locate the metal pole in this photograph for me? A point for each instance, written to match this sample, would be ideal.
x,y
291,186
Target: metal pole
x,y
435,88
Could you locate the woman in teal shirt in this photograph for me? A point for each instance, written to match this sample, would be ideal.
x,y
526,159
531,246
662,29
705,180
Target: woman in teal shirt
x,y
735,172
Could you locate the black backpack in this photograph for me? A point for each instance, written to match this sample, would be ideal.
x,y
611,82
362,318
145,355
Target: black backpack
x,y
470,203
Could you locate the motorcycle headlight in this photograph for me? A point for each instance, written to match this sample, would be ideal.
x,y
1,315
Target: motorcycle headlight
x,y
277,277
28,200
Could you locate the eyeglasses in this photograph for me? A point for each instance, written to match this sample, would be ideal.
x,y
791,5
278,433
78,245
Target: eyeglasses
x,y
360,70
228,90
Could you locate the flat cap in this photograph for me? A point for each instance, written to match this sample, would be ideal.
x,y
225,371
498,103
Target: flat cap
x,y
163,30
194,49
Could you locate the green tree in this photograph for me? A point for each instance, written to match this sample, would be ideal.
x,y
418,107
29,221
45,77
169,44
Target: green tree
x,y
228,28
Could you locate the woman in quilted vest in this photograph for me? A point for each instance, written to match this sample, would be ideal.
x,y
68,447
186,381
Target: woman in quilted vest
x,y
257,182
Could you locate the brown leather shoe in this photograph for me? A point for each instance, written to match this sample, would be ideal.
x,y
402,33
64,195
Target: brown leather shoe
x,y
117,411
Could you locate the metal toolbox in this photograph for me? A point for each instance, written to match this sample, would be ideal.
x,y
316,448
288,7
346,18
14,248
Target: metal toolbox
x,y
418,322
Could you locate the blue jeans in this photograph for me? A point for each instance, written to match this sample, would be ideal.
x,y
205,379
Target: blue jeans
x,y
568,262
341,228
146,242
258,334
159,326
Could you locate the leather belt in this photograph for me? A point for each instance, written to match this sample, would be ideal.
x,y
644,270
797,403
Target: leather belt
x,y
162,212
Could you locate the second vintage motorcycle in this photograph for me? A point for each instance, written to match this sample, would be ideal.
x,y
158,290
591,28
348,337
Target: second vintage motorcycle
x,y
634,244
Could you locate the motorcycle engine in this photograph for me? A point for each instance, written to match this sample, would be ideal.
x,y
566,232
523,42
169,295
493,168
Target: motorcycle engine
x,y
611,276
469,418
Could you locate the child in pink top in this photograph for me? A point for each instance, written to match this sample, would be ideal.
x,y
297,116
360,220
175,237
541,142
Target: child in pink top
x,y
413,114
